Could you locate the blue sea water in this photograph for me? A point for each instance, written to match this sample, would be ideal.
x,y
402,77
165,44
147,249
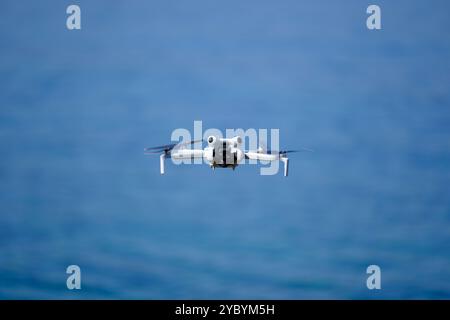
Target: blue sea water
x,y
78,107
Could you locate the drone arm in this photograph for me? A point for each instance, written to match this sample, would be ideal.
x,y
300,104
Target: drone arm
x,y
187,154
269,157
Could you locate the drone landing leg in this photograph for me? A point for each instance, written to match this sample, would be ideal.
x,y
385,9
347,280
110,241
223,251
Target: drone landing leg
x,y
286,166
161,162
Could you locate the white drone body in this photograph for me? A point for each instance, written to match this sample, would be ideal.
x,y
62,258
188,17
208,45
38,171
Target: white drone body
x,y
220,153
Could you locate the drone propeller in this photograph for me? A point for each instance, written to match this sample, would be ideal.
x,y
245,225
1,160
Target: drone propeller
x,y
166,148
263,149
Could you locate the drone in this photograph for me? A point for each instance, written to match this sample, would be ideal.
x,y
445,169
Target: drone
x,y
220,153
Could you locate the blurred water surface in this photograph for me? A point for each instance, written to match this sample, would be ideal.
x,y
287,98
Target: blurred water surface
x,y
78,107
